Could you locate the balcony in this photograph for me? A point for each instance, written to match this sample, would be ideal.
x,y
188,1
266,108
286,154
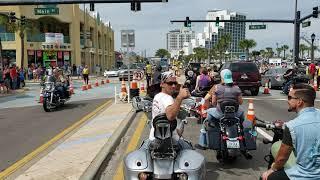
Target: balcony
x,y
7,36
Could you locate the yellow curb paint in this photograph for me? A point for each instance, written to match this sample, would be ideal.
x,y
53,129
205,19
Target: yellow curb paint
x,y
43,147
132,145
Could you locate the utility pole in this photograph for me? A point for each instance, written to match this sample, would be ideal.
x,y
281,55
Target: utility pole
x,y
296,33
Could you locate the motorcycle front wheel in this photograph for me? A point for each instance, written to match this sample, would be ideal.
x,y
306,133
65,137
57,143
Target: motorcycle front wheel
x,y
46,105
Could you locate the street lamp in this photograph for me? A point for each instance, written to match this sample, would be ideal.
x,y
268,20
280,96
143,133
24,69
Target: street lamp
x,y
313,36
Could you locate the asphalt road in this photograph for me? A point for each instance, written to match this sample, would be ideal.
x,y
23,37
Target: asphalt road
x,y
24,129
267,107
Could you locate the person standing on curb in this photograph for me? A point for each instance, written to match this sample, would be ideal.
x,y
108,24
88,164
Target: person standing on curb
x,y
148,73
85,74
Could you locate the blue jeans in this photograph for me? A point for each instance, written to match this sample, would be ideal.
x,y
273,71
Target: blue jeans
x,y
14,83
286,87
213,115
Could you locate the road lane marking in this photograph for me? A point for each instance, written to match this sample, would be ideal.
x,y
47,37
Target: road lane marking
x,y
7,172
131,146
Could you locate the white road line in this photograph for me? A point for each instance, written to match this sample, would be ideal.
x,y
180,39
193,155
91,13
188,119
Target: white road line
x,y
264,134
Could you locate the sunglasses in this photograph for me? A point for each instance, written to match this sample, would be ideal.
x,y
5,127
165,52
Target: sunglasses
x,y
172,83
290,97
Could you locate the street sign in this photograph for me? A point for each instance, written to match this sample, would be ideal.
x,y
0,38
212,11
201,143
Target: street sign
x,y
46,11
34,2
256,27
306,24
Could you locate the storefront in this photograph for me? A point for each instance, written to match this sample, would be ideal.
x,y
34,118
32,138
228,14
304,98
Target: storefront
x,y
9,57
49,57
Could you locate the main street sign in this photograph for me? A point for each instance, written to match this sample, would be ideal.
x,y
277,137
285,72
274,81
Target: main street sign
x,y
306,24
256,27
46,11
36,2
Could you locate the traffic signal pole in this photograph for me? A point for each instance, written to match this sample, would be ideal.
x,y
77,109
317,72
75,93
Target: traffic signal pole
x,y
297,21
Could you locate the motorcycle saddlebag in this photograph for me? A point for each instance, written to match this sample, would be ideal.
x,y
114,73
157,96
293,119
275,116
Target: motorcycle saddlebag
x,y
250,138
213,138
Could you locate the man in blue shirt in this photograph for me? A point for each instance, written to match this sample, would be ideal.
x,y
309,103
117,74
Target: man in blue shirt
x,y
302,136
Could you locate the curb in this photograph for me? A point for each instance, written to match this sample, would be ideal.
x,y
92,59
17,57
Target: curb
x,y
107,150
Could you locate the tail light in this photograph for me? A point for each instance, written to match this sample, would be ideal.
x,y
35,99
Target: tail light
x,y
224,138
240,138
142,176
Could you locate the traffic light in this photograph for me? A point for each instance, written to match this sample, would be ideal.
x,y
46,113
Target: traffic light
x,y
315,12
217,21
187,22
135,6
23,20
12,17
91,6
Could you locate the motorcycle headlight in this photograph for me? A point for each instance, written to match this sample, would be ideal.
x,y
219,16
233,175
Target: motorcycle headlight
x,y
48,87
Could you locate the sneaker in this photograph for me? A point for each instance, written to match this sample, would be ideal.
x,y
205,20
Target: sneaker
x,y
198,146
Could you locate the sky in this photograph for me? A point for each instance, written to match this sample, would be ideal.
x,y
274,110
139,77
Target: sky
x,y
152,23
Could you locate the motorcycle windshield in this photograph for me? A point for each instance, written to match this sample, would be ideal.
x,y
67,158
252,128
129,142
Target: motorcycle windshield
x,y
49,79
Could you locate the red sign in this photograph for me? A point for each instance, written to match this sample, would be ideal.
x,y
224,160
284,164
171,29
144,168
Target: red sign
x,y
39,53
59,54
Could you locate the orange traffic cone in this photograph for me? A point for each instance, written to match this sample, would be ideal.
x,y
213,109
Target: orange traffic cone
x,y
41,96
107,81
84,87
266,88
96,84
89,86
142,87
123,89
315,83
251,115
71,88
134,85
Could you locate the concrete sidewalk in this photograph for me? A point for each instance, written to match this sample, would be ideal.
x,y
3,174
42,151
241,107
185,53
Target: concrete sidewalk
x,y
80,155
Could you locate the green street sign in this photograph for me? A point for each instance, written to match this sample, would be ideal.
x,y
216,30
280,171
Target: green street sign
x,y
46,11
306,24
256,27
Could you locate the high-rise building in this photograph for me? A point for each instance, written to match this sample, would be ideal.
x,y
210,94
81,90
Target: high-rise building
x,y
235,29
176,40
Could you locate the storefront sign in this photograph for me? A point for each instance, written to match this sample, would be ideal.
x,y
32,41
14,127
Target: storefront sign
x,y
46,11
54,38
66,55
59,54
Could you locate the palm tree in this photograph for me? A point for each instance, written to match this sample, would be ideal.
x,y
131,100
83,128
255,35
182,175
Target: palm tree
x,y
223,45
284,48
22,29
200,53
303,48
247,44
263,53
162,53
269,52
279,51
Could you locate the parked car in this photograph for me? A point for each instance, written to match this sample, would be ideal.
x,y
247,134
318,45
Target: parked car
x,y
111,73
123,73
275,76
245,74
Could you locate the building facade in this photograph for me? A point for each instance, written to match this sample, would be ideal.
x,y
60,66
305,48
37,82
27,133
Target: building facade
x,y
236,30
57,35
176,40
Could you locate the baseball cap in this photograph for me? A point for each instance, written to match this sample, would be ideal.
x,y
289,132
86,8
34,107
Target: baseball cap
x,y
226,75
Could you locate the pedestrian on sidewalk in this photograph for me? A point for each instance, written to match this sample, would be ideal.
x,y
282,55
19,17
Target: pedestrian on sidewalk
x,y
14,76
21,76
148,73
74,70
7,78
85,74
3,88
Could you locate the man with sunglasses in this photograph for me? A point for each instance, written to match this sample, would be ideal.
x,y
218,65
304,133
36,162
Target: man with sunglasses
x,y
302,136
163,102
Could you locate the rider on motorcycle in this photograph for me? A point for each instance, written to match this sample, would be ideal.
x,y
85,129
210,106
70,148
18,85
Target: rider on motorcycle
x,y
301,135
163,102
203,80
288,76
60,83
226,90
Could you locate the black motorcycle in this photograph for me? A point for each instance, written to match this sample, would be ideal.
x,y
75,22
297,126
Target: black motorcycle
x,y
277,128
52,96
298,78
227,135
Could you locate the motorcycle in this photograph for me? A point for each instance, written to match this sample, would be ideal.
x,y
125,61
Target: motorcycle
x,y
190,82
299,78
228,136
51,96
164,159
277,129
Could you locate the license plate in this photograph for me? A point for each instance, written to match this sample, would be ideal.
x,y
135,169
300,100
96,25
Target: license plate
x,y
233,144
